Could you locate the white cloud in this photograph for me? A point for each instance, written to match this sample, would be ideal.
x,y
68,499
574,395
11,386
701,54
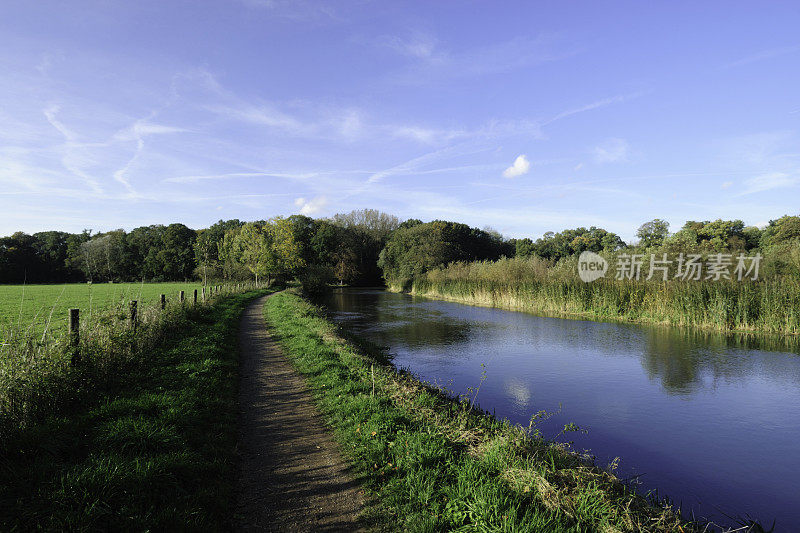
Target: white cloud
x,y
612,151
521,166
311,207
727,185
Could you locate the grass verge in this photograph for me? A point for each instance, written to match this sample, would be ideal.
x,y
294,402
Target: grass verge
x,y
435,464
150,447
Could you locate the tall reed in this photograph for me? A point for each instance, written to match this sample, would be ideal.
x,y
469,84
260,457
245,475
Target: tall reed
x,y
537,286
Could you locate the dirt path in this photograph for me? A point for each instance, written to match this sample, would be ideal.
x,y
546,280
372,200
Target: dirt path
x,y
291,477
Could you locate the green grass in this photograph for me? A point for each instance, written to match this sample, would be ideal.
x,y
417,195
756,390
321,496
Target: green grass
x,y
434,464
149,446
28,308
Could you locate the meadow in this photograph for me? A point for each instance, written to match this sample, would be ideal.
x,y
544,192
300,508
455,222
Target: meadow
x,y
28,309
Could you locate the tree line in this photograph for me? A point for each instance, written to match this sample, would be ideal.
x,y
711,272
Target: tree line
x,y
364,247
343,249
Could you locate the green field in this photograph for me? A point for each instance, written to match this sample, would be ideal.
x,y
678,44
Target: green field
x,y
29,307
141,437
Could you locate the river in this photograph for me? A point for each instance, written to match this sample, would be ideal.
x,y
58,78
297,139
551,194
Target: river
x,y
709,420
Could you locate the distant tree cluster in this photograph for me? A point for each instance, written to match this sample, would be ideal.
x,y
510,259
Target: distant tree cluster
x,y
159,253
417,247
343,249
365,247
555,246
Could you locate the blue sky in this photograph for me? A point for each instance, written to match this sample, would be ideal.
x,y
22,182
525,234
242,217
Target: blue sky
x,y
526,117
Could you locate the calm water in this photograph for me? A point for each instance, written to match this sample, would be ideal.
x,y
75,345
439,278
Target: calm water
x,y
712,421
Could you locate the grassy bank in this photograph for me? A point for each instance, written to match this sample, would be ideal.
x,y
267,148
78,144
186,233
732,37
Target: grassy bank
x,y
769,306
139,437
433,463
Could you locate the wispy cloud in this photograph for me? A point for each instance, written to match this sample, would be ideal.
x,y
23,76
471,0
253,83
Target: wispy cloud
x,y
50,113
769,181
772,159
143,128
137,132
520,167
438,63
612,150
420,46
419,164
762,56
265,115
597,104
74,157
295,10
235,175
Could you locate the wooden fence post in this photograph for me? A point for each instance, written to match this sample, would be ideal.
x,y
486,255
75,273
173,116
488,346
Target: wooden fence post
x,y
195,297
163,301
134,314
180,296
74,336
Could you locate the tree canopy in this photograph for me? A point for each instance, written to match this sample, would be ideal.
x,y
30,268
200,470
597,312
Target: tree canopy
x,y
413,250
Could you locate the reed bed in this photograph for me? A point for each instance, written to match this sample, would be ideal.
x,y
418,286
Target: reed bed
x,y
536,286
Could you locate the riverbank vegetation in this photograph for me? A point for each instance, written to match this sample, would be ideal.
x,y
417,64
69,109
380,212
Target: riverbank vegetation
x,y
436,464
542,276
530,284
140,435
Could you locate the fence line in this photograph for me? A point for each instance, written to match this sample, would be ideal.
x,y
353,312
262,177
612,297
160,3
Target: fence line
x,y
134,311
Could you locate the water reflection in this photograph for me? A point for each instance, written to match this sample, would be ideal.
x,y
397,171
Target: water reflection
x,y
709,418
398,322
685,361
